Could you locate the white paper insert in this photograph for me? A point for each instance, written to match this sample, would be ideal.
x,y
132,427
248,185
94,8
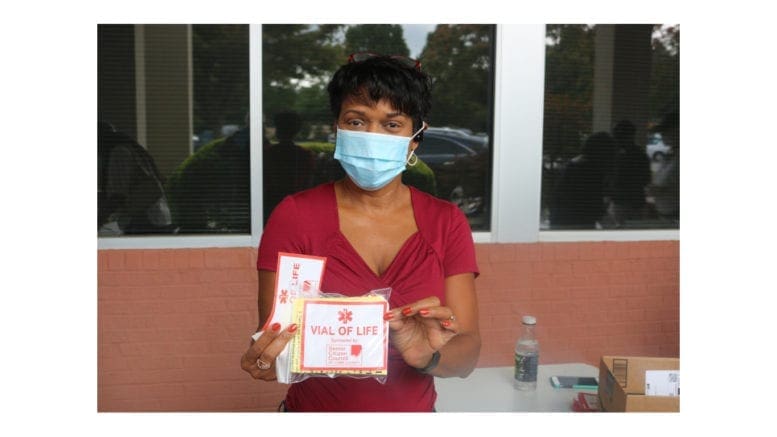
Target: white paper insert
x,y
662,382
297,276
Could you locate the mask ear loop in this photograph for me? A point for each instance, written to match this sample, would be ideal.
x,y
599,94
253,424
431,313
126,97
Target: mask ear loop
x,y
412,152
412,155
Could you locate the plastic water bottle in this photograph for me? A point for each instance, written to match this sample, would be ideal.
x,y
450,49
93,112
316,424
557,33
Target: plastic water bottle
x,y
527,356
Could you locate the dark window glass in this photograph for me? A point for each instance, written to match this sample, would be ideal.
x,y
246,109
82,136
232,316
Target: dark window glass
x,y
611,149
298,61
173,143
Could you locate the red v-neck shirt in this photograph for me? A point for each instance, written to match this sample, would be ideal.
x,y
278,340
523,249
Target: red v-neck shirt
x,y
308,223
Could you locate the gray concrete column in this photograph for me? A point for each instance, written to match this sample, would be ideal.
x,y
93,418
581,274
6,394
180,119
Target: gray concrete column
x,y
164,92
622,66
631,75
604,53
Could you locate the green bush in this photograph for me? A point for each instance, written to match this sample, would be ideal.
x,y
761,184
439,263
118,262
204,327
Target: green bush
x,y
209,191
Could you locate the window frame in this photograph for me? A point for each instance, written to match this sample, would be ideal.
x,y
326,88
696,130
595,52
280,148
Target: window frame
x,y
519,87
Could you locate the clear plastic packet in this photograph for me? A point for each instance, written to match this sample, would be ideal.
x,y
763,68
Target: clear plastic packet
x,y
298,300
340,336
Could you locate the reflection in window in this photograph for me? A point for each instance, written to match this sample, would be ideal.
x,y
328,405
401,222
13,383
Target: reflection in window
x,y
298,61
173,143
611,127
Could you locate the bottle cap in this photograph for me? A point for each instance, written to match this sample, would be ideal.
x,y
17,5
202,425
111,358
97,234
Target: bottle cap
x,y
529,320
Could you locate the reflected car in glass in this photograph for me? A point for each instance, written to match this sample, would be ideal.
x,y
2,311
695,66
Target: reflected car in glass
x,y
460,163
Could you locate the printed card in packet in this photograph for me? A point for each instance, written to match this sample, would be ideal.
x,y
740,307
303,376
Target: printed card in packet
x,y
341,336
296,276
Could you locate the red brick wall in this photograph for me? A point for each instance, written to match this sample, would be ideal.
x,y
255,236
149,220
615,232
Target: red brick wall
x,y
172,324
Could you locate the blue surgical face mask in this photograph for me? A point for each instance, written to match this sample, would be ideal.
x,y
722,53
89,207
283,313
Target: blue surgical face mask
x,y
372,160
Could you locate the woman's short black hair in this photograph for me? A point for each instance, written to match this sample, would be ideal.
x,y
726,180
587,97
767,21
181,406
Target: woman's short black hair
x,y
381,77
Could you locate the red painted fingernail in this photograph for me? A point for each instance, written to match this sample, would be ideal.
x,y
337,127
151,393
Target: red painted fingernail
x,y
424,312
292,328
388,316
446,323
407,311
275,327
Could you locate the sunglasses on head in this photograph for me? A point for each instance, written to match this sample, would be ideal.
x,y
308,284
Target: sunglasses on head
x,y
363,56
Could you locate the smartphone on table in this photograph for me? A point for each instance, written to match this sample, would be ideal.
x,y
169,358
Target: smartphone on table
x,y
576,382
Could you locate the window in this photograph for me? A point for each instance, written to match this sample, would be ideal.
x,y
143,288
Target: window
x,y
176,99
297,62
611,127
173,149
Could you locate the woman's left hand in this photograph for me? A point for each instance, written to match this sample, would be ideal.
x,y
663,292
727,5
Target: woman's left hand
x,y
420,329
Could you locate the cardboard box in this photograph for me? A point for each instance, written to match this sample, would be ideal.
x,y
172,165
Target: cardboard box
x,y
622,384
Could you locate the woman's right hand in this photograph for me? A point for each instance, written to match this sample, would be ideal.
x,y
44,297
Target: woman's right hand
x,y
259,359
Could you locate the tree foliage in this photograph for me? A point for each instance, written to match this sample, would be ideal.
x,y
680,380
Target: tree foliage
x,y
459,59
569,72
297,57
220,75
665,73
298,61
383,39
292,52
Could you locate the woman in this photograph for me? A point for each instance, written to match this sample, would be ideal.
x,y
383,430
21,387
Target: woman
x,y
377,232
